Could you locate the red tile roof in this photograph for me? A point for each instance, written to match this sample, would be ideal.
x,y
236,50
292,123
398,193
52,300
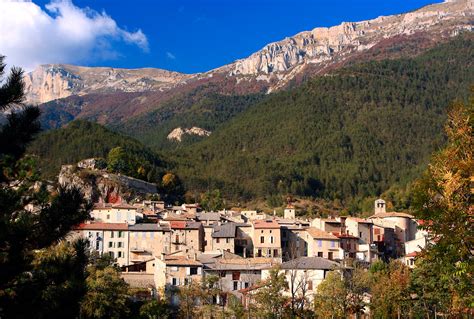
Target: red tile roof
x,y
266,223
319,234
102,226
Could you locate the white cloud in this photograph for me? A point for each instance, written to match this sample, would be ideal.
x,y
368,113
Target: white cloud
x,y
170,55
60,33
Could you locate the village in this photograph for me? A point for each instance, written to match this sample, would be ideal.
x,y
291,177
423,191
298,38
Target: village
x,y
161,247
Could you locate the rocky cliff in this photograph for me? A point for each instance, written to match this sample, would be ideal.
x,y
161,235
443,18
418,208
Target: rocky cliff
x,y
323,45
100,186
56,81
269,69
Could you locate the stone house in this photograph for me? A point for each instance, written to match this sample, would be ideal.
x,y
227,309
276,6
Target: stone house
x,y
266,238
322,244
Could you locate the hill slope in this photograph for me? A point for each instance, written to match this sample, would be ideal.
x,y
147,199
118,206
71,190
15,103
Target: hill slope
x,y
352,133
80,140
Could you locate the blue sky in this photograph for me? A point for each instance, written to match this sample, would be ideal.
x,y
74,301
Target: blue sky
x,y
195,36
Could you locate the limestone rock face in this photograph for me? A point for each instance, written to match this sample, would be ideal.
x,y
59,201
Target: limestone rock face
x,y
100,186
322,45
178,133
274,65
56,81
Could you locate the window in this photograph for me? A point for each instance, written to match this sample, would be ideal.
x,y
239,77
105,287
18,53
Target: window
x,y
97,245
119,244
217,240
227,240
310,285
108,216
320,254
247,285
110,244
333,244
262,239
259,253
111,254
275,252
271,239
185,281
120,255
270,231
120,234
236,275
111,234
360,234
236,285
193,271
330,256
320,243
174,281
97,234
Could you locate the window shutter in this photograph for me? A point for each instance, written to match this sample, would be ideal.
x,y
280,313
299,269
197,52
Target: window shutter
x,y
188,271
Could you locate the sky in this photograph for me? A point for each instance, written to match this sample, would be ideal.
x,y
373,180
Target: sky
x,y
186,36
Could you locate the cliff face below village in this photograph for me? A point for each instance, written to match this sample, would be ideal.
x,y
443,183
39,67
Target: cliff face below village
x,y
274,65
100,186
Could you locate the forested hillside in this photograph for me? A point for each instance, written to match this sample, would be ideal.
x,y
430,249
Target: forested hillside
x,y
352,133
201,107
80,140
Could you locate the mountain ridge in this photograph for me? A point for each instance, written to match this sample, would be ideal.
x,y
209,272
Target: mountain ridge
x,y
272,67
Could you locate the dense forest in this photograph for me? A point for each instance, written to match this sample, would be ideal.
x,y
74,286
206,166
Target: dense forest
x,y
81,139
350,134
201,107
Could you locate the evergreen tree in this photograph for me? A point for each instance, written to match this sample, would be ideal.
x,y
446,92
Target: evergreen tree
x,y
38,278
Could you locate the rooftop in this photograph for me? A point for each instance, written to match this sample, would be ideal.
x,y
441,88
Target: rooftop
x,y
147,227
181,261
310,263
185,224
102,226
226,230
391,214
266,223
319,234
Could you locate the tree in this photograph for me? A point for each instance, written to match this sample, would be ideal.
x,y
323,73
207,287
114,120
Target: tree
x,y
119,162
389,290
212,200
155,309
443,197
330,301
107,294
33,220
270,298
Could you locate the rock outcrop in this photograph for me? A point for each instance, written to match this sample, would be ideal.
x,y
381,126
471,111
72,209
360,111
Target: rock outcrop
x,y
178,133
100,186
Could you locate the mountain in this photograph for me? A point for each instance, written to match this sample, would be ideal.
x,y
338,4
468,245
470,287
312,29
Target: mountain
x,y
351,134
56,81
111,96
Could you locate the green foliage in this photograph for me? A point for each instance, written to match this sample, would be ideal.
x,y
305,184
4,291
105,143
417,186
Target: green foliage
x,y
200,107
81,139
107,294
40,277
443,198
155,309
212,201
270,300
351,134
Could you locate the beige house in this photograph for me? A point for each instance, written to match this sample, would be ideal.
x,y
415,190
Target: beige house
x,y
107,238
173,272
187,236
120,213
323,244
147,241
266,238
330,225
